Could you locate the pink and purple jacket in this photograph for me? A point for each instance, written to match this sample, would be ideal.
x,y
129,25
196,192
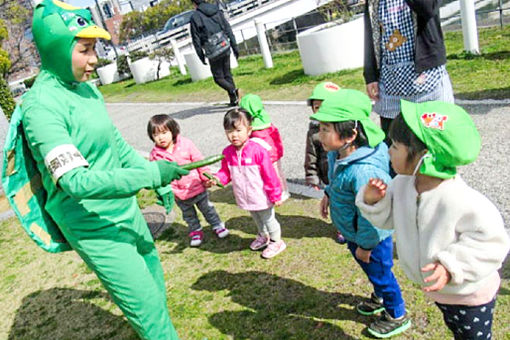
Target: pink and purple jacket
x,y
254,180
184,151
271,136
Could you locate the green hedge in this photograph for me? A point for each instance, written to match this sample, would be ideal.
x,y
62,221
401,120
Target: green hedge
x,y
6,101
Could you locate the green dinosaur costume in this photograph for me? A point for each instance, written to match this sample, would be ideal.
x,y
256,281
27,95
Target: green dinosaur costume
x,y
89,174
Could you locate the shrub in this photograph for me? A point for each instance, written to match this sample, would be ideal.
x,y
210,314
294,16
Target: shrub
x,y
103,62
137,55
122,65
6,101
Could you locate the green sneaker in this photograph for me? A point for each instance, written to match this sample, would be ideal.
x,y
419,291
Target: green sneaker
x,y
374,306
388,326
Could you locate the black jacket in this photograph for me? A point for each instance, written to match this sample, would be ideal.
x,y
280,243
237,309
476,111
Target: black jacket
x,y
429,49
206,21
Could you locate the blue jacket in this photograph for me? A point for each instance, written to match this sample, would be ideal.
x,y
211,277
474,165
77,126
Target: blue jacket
x,y
346,177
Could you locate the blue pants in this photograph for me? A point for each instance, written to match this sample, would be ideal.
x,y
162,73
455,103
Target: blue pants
x,y
379,273
469,322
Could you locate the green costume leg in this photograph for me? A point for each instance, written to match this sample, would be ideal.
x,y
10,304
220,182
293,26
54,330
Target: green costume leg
x,y
126,261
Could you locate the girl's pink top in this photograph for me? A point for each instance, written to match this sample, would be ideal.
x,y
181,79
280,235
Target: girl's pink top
x,y
184,151
271,136
254,180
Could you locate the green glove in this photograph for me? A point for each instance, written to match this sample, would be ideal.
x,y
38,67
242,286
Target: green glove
x,y
169,171
166,198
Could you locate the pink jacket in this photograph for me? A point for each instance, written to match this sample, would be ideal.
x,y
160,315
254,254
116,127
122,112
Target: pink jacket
x,y
254,181
184,151
271,136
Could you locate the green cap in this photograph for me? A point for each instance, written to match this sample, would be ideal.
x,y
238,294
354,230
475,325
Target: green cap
x,y
346,105
253,104
56,27
322,91
448,132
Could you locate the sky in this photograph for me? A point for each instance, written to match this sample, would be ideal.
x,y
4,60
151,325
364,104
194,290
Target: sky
x,y
80,3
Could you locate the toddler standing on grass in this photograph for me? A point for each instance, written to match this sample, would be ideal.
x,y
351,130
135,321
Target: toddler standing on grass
x,y
254,180
316,158
267,135
190,190
450,238
357,153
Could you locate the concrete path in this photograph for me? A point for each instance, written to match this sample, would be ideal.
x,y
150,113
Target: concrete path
x,y
202,123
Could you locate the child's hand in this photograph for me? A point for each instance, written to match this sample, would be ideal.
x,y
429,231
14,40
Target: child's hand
x,y
375,191
324,207
278,203
440,275
209,183
363,255
316,187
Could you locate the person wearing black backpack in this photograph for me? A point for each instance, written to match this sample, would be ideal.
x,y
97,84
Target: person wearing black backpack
x,y
213,38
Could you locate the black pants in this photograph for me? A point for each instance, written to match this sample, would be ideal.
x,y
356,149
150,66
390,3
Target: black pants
x,y
385,126
220,69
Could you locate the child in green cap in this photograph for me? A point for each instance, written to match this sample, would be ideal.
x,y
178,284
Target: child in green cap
x,y
356,154
450,238
265,133
316,158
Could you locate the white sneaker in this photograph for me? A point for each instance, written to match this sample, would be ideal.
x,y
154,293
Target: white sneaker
x,y
221,232
196,238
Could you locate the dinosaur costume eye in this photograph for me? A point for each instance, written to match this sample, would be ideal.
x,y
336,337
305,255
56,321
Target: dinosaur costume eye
x,y
81,22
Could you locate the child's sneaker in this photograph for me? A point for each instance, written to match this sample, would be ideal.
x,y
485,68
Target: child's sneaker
x,y
221,232
273,249
340,238
196,238
374,306
388,326
260,242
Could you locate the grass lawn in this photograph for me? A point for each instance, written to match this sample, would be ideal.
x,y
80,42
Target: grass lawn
x,y
473,77
221,290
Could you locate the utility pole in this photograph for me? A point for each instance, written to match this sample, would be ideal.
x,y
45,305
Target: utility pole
x,y
104,26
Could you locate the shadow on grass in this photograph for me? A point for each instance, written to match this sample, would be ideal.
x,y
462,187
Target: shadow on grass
x,y
63,313
288,77
279,308
182,81
293,226
501,93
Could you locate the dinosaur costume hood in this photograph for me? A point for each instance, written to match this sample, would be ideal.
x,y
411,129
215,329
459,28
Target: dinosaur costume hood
x,y
56,27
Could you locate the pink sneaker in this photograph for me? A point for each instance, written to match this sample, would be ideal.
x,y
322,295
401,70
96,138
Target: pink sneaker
x,y
221,232
196,238
260,242
273,249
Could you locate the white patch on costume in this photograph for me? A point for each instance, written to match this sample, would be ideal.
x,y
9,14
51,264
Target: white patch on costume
x,y
463,312
476,319
62,159
483,309
486,323
479,334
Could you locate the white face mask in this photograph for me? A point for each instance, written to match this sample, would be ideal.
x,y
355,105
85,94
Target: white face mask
x,y
427,155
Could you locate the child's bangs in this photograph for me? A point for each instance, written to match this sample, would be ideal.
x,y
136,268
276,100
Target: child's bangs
x,y
235,117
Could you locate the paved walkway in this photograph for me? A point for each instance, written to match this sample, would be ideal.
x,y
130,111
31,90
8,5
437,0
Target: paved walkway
x,y
202,123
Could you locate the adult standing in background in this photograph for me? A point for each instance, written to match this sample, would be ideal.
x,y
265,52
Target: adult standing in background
x,y
405,55
205,22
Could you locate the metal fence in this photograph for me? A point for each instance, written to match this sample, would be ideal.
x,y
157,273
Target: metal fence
x,y
284,36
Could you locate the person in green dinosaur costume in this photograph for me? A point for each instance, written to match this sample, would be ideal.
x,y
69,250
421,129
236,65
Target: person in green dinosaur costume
x,y
90,173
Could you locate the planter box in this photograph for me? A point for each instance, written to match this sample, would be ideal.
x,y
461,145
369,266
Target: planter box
x,y
143,70
326,48
108,74
197,70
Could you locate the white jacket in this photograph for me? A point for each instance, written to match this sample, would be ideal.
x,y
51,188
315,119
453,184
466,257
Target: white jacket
x,y
453,224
